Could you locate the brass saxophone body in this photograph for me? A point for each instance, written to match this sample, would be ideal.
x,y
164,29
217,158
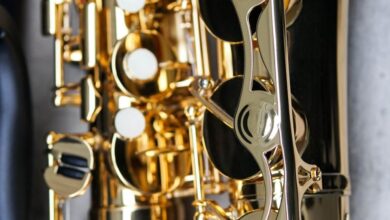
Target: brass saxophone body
x,y
204,109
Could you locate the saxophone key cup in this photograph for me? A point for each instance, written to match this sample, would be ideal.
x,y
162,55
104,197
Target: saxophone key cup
x,y
144,66
157,160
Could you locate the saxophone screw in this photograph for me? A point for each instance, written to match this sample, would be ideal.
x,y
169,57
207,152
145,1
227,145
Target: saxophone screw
x,y
316,174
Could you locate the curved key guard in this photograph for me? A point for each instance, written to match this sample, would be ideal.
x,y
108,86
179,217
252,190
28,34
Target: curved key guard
x,y
263,120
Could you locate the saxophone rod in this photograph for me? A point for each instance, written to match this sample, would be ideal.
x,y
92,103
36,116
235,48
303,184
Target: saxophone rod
x,y
200,41
196,157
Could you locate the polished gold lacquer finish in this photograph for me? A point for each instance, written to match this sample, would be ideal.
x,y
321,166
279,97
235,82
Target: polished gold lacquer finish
x,y
204,102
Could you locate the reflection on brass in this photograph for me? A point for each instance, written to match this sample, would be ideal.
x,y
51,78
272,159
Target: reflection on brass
x,y
155,162
169,70
91,104
71,160
201,109
89,39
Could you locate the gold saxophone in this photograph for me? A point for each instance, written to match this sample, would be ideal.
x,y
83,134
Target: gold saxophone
x,y
237,107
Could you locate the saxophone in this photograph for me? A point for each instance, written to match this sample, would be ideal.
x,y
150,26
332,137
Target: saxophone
x,y
203,109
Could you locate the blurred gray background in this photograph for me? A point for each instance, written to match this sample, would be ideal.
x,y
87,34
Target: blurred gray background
x,y
369,106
